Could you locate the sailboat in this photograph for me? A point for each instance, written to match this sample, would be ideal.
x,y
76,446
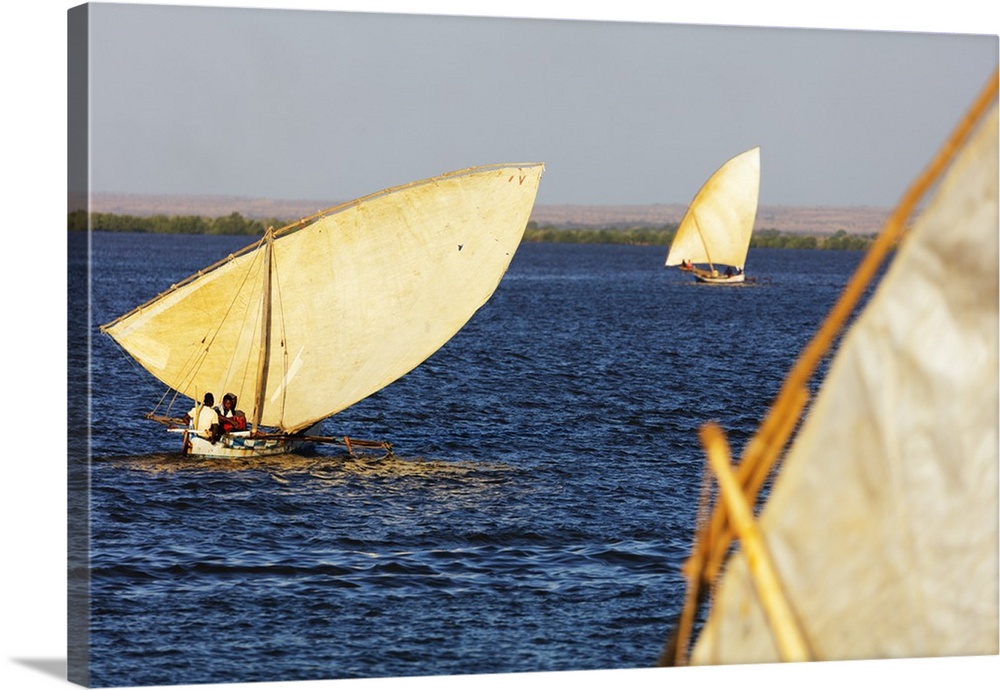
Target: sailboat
x,y
877,537
326,311
716,229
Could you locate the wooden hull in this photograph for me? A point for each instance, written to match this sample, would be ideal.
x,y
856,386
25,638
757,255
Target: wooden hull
x,y
714,277
721,279
240,444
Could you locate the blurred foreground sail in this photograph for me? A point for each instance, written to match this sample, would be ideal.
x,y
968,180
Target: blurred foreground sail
x,y
879,538
329,310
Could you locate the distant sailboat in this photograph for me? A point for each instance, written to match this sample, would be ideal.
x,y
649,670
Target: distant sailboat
x,y
879,538
324,312
716,229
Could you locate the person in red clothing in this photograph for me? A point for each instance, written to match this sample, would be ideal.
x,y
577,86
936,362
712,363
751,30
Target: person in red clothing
x,y
230,418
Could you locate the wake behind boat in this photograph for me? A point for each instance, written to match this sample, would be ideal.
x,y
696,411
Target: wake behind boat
x,y
324,312
716,229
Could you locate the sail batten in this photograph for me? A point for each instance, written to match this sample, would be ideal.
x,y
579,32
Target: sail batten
x,y
718,224
360,295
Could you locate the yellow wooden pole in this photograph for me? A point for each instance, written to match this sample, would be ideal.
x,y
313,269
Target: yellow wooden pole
x,y
686,623
787,634
759,457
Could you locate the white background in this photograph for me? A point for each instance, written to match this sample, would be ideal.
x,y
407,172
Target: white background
x,y
33,482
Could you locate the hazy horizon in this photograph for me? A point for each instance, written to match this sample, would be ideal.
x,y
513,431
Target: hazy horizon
x,y
311,104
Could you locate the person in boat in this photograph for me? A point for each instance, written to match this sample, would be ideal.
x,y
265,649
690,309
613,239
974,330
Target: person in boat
x,y
230,418
729,271
204,419
686,265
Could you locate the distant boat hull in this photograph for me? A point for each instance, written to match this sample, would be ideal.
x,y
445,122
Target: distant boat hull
x,y
721,280
714,277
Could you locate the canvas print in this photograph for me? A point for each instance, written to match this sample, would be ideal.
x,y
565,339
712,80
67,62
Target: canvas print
x,y
420,345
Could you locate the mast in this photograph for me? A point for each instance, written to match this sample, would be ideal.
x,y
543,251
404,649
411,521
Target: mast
x,y
265,332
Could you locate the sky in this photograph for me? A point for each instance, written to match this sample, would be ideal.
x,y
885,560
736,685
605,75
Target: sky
x,y
332,105
620,114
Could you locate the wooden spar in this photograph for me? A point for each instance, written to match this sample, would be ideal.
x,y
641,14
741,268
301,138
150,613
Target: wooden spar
x,y
166,421
391,190
676,651
265,333
787,633
763,451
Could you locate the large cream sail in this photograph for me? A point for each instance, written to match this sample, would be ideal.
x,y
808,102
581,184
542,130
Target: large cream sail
x,y
882,524
717,226
357,298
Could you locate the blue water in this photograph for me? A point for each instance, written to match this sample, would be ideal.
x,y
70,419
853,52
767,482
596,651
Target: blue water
x,y
534,517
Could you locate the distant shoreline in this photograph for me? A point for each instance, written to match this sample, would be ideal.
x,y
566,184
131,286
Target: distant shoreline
x,y
631,234
807,220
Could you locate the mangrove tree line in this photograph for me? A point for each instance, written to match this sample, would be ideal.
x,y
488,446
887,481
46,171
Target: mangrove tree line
x,y
662,235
